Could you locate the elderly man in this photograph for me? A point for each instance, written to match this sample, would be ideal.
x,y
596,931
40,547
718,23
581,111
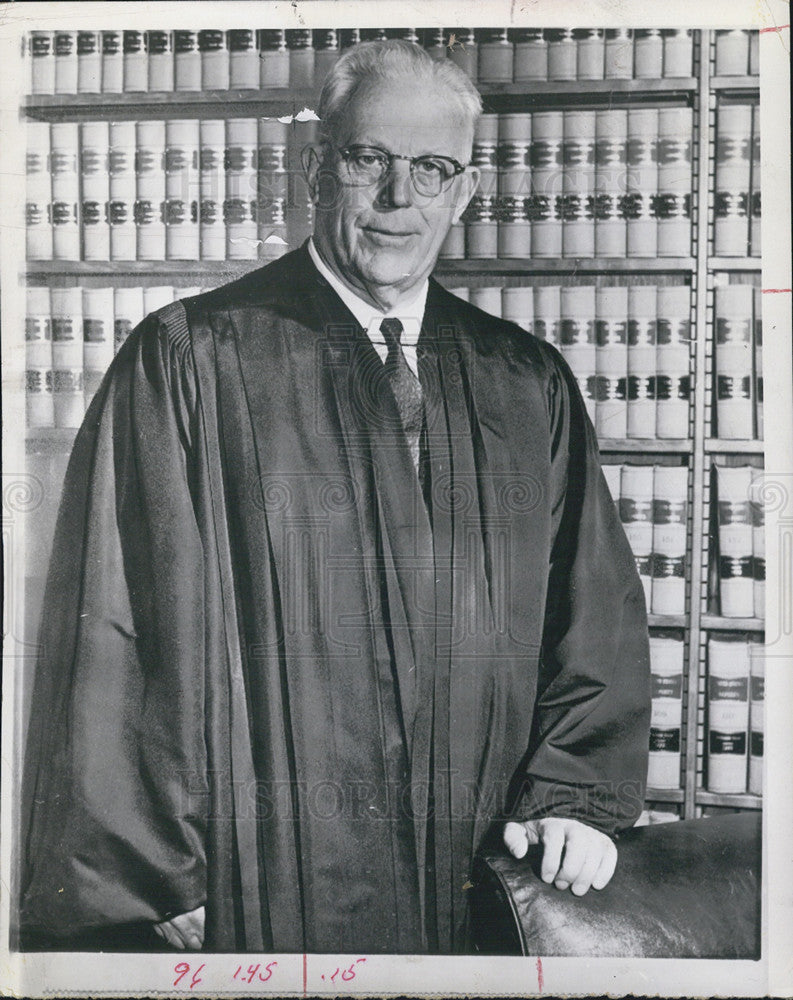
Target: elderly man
x,y
338,586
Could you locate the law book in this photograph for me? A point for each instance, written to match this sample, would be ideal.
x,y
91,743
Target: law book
x,y
495,55
611,150
95,189
562,61
300,206
611,360
636,514
300,47
735,538
732,52
38,192
272,190
517,306
127,313
112,62
514,162
273,58
578,184
733,362
453,246
121,212
464,52
578,340
670,506
136,66
243,59
530,55
462,293
613,474
758,543
756,716
186,293
754,52
672,360
648,54
89,62
727,714
732,182
159,50
481,221
758,362
642,182
348,37
38,358
590,46
155,297
487,299
98,338
65,212
326,52
618,57
150,190
239,206
548,313
212,188
666,718
182,240
65,46
67,356
642,324
431,39
214,53
186,61
42,60
678,52
545,207
755,194
675,178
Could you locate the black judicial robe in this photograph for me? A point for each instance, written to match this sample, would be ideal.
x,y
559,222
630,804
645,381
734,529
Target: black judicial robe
x,y
279,678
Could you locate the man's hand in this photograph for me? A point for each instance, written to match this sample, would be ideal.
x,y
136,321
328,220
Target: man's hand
x,y
185,931
574,856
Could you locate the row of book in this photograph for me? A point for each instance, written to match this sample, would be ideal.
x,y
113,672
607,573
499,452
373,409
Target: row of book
x,y
112,62
737,52
157,190
738,362
734,715
629,347
738,181
739,553
653,506
71,336
610,183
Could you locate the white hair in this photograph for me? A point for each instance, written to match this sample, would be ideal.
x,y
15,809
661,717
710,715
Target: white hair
x,y
385,60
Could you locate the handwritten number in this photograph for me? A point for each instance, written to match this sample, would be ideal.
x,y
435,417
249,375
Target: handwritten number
x,y
269,968
182,968
196,978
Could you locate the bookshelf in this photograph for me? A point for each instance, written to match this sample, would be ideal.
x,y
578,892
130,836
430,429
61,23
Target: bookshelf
x,y
696,449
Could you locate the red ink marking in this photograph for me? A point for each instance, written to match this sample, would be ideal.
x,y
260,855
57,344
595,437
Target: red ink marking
x,y
305,974
539,975
780,27
769,291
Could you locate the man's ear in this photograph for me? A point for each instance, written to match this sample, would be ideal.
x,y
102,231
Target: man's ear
x,y
311,160
468,183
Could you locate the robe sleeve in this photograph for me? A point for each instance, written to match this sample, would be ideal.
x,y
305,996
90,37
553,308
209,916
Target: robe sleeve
x,y
590,733
114,796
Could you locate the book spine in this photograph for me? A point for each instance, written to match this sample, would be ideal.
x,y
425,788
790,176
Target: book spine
x,y
611,145
733,361
578,184
548,313
562,61
636,514
755,198
182,241
300,202
121,211
648,54
272,188
678,52
732,52
666,664
642,322
530,51
42,59
672,360
136,68
155,297
590,53
212,188
89,62
326,52
301,58
487,299
150,190
642,182
239,207
758,363
98,336
611,331
431,39
112,62
186,61
495,55
127,313
673,204
517,306
67,356
613,474
481,226
754,52
728,715
38,358
65,44
514,160
38,192
214,54
273,58
736,582
464,52
159,48
578,340
453,246
619,54
758,544
64,157
732,181
546,201
756,713
243,59
95,189
669,539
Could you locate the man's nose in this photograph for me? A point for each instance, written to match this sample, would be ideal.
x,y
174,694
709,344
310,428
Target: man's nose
x,y
397,191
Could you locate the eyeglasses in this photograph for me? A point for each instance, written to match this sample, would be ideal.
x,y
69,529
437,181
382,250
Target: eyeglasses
x,y
430,174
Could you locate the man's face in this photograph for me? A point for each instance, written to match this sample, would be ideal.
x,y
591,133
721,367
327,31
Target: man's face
x,y
385,238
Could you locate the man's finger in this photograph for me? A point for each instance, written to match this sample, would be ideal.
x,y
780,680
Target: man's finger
x,y
575,853
583,881
608,864
516,839
553,844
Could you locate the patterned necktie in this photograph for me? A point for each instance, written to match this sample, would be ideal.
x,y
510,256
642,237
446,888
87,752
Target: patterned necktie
x,y
404,384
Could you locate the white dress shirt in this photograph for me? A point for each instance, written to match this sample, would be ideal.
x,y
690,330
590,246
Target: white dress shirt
x,y
410,312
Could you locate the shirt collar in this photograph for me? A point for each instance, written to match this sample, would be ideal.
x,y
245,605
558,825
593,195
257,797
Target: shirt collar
x,y
410,310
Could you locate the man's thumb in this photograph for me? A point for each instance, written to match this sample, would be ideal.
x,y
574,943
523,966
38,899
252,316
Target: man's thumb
x,y
518,836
